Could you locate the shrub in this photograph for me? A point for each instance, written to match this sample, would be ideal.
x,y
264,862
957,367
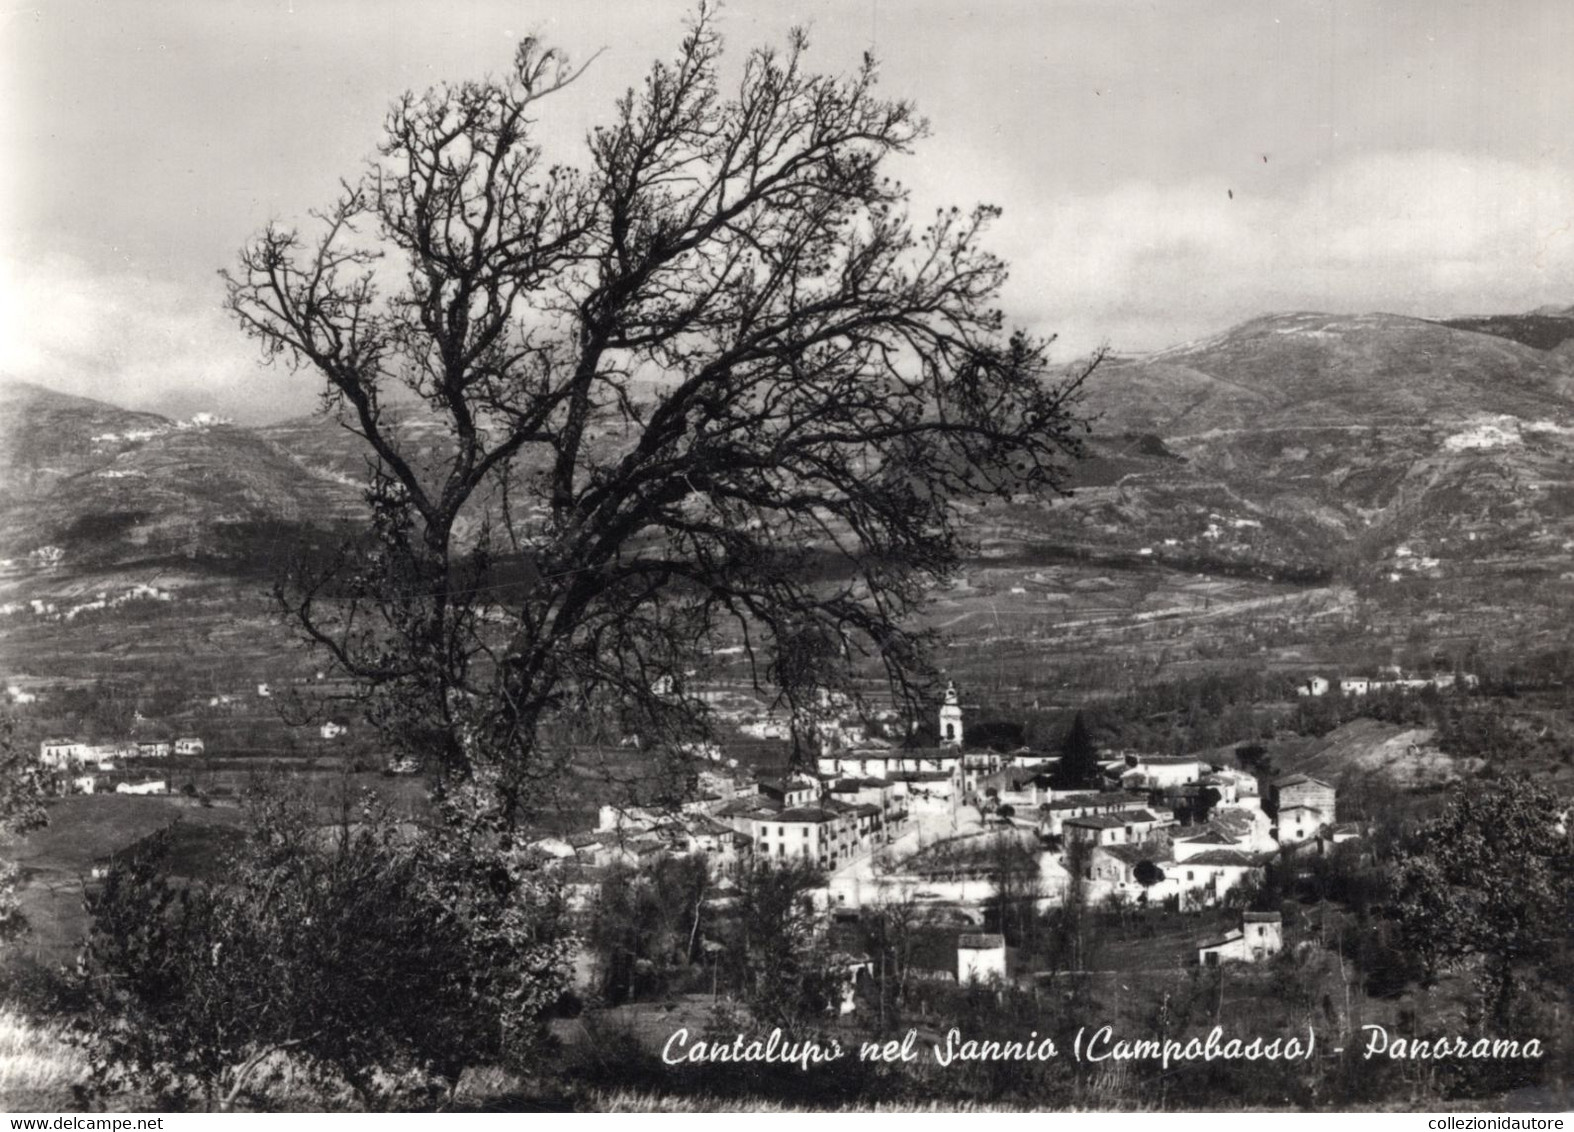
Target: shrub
x,y
371,956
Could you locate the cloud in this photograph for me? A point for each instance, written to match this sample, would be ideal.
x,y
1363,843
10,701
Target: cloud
x,y
135,341
1423,233
1139,265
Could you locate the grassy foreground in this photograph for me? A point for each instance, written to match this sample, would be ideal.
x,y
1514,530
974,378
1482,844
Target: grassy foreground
x,y
38,1067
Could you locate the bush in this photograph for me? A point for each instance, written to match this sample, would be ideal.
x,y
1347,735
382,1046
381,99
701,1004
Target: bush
x,y
370,956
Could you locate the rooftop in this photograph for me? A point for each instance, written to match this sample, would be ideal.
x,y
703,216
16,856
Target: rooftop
x,y
1300,780
1231,822
1136,854
1229,937
752,806
1224,857
1113,800
1097,821
980,941
778,786
812,815
1207,837
1262,917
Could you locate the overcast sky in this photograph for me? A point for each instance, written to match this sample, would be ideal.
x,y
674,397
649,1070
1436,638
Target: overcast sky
x,y
1167,168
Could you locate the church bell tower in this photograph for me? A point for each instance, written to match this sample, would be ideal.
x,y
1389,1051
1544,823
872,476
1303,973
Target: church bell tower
x,y
950,718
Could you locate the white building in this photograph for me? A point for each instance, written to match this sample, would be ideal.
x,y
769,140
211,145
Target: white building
x,y
60,753
1160,772
332,729
980,957
1303,805
1123,828
1204,878
1054,815
1260,936
190,745
950,718
824,836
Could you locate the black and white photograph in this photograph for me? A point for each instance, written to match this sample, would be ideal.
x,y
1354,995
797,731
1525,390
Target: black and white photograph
x,y
786,556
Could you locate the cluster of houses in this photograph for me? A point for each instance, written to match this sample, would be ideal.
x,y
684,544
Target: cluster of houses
x,y
792,819
64,754
1129,842
984,957
37,606
1157,828
82,759
101,600
1392,680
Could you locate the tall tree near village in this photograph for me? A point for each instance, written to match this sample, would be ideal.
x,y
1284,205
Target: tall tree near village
x,y
1079,759
713,382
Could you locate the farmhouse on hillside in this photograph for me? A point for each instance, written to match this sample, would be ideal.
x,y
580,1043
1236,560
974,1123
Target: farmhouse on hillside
x,y
1260,936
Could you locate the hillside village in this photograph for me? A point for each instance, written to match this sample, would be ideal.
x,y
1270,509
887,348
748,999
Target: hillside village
x,y
885,823
889,825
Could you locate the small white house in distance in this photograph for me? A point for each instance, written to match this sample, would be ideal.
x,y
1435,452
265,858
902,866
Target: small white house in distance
x,y
153,786
1316,686
190,745
980,956
264,691
1260,936
84,784
333,729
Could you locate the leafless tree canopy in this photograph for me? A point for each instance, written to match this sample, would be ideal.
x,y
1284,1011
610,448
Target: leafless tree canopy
x,y
717,381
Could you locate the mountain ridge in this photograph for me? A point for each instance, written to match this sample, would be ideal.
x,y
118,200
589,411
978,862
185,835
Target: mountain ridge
x,y
1292,442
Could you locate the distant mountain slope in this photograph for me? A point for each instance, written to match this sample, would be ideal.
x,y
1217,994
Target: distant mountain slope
x,y
1295,370
1293,446
1543,329
1338,441
46,435
109,487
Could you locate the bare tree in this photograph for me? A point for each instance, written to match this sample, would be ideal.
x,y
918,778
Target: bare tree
x,y
716,382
